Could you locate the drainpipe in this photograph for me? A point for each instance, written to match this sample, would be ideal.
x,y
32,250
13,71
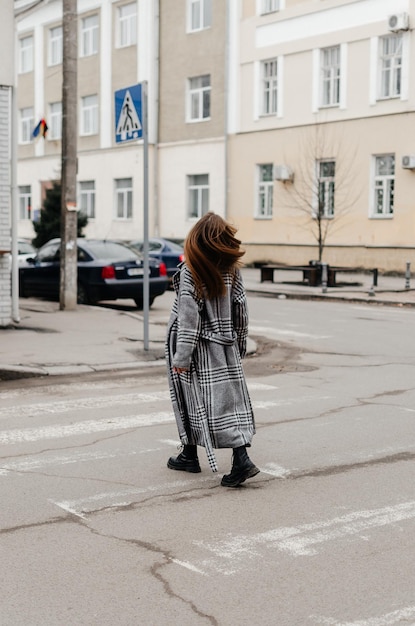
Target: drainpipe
x,y
13,190
156,117
226,104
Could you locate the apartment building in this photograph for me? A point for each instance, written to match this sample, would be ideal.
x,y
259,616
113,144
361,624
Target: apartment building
x,y
117,45
292,118
178,47
322,143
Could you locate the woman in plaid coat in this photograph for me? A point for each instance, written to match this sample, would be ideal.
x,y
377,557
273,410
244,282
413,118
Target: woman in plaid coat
x,y
206,341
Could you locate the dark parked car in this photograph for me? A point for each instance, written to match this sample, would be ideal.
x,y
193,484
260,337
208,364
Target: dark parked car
x,y
170,252
107,270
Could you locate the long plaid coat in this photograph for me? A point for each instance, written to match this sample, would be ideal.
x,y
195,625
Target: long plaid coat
x,y
210,401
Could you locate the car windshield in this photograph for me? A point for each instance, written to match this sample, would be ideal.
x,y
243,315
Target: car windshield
x,y
111,250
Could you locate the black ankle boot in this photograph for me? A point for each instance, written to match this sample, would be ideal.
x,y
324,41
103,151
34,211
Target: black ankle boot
x,y
242,468
186,461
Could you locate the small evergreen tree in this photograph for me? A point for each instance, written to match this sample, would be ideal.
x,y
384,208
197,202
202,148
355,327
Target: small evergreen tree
x,y
49,225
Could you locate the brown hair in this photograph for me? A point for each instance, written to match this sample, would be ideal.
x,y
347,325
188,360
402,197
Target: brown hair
x,y
211,249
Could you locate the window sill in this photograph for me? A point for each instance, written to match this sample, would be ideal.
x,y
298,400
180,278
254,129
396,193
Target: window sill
x,y
197,30
199,119
263,217
383,98
383,216
335,105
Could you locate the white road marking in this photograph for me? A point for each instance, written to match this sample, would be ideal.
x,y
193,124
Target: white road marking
x,y
64,388
275,470
389,619
109,500
88,427
269,330
32,464
232,554
189,566
63,406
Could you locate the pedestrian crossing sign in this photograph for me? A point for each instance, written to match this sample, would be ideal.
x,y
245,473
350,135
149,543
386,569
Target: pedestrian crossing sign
x,y
128,114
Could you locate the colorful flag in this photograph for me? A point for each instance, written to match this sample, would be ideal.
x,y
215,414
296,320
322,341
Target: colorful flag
x,y
41,129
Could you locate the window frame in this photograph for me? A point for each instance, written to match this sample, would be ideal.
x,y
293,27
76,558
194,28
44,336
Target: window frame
x,y
269,88
89,116
89,36
127,26
125,194
55,56
89,195
264,205
395,70
386,188
205,15
198,196
26,57
25,202
55,122
269,6
330,74
328,184
199,95
26,126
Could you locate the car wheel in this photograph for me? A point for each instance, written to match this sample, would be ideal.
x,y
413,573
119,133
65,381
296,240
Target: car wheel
x,y
83,297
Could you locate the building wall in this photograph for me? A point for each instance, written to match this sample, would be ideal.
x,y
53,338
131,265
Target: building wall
x,y
300,133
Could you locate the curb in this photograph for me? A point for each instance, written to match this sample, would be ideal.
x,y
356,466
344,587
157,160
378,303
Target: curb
x,y
331,298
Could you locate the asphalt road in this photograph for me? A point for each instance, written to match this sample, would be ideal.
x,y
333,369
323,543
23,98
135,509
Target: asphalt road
x,y
96,530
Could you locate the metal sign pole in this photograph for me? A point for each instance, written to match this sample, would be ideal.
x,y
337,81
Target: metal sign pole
x,y
145,213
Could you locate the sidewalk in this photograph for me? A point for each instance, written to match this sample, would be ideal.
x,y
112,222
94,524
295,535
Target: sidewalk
x,y
48,341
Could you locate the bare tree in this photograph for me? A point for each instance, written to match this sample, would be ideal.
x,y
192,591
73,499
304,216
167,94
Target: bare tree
x,y
323,188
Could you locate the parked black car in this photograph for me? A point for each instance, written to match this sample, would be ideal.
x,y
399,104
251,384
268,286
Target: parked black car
x,y
107,270
165,250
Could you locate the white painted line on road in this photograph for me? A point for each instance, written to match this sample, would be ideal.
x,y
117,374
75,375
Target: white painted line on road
x,y
389,619
116,499
88,427
269,330
189,566
301,540
275,470
32,464
63,406
64,388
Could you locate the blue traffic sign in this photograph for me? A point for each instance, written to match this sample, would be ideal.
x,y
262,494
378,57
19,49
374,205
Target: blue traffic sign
x,y
128,114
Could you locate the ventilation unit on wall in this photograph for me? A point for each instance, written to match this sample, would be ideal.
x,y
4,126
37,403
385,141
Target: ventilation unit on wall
x,y
398,21
283,173
408,162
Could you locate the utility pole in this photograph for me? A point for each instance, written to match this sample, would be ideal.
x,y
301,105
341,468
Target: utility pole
x,y
69,215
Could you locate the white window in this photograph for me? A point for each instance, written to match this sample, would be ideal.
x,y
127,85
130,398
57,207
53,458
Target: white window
x,y
265,194
87,198
269,70
25,202
198,195
326,186
89,36
269,6
26,55
89,115
390,66
330,76
200,14
124,198
384,185
199,98
55,120
26,124
55,45
127,25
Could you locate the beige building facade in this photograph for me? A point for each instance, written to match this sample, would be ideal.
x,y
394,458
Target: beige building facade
x,y
323,143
